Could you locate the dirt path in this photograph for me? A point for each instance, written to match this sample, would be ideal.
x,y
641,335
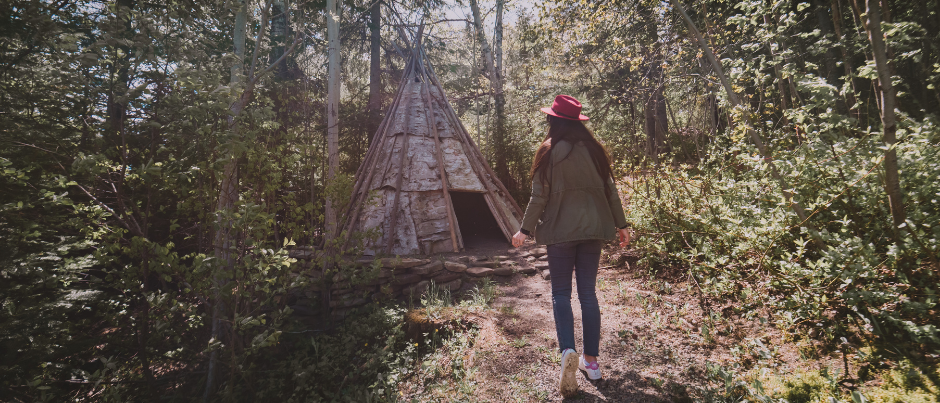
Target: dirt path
x,y
653,346
656,337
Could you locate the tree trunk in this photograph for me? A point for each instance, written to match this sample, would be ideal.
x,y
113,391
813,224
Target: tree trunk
x,y
825,27
279,34
888,121
846,60
120,73
375,72
498,36
496,82
654,112
228,195
332,136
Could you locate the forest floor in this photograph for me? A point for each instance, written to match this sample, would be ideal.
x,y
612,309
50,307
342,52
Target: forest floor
x,y
659,342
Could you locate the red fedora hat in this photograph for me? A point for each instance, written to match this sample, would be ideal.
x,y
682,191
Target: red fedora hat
x,y
566,107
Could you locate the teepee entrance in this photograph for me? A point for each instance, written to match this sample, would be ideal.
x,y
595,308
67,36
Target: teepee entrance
x,y
478,227
424,179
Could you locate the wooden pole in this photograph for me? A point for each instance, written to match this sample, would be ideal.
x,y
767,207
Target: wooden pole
x,y
438,154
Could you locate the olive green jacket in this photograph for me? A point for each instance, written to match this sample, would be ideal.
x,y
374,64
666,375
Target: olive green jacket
x,y
573,205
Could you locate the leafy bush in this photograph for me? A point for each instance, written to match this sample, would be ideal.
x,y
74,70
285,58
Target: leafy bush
x,y
728,224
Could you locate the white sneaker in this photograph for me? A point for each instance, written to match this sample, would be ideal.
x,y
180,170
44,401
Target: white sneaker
x,y
592,370
567,382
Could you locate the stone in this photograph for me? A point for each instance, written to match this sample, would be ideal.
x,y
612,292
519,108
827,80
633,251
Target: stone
x,y
342,291
465,259
389,289
339,314
502,271
446,276
340,285
406,279
531,259
528,270
427,269
453,285
480,271
484,263
417,289
537,252
374,282
455,267
541,265
359,289
402,263
547,275
347,302
501,258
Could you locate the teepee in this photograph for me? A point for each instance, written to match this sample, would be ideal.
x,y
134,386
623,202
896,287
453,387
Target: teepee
x,y
422,172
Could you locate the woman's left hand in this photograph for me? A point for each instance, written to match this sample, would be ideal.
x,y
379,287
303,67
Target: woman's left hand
x,y
518,239
624,237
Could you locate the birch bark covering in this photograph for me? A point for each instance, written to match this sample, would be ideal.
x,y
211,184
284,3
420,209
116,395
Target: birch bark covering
x,y
402,163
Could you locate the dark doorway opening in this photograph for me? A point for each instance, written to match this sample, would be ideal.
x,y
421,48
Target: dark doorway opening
x,y
477,225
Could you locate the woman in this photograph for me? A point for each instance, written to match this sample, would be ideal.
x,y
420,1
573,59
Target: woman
x,y
573,209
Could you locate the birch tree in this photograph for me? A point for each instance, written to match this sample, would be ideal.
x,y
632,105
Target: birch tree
x,y
332,132
496,83
375,70
888,103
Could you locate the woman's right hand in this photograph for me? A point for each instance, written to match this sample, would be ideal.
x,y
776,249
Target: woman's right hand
x,y
518,239
624,237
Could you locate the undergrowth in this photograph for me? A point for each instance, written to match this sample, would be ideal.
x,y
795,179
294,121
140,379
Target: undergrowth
x,y
370,357
845,278
845,272
904,383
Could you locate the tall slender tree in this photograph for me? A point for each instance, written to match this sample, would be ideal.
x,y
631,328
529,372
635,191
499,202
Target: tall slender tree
x,y
332,131
888,103
654,108
375,70
496,84
228,195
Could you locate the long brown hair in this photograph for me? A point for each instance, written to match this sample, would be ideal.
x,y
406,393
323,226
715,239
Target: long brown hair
x,y
573,131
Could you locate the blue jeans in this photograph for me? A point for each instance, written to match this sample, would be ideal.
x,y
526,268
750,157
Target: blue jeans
x,y
582,257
